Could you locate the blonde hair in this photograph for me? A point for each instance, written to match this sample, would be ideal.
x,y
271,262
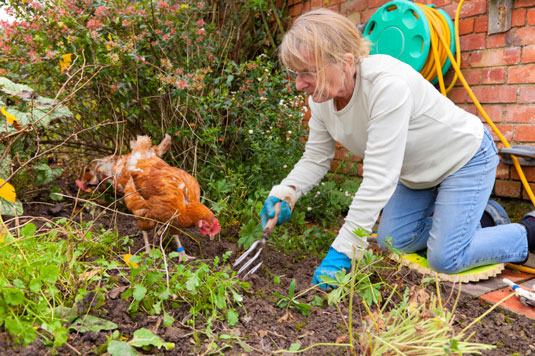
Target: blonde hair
x,y
324,36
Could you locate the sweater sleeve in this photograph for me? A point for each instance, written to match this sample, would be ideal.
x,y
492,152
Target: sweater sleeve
x,y
390,106
316,160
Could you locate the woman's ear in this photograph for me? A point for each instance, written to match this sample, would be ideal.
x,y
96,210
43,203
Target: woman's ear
x,y
349,61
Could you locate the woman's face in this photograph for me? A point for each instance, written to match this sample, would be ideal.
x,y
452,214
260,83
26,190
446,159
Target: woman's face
x,y
339,81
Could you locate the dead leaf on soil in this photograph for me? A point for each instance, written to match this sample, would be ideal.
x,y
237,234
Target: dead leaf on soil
x,y
89,274
285,318
116,292
308,333
341,339
418,296
262,333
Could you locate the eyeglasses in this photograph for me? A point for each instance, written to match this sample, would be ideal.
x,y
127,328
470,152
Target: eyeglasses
x,y
307,76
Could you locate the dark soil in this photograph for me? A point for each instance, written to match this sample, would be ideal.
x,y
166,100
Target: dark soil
x,y
263,326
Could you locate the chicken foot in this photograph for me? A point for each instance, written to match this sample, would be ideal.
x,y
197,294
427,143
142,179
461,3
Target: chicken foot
x,y
181,251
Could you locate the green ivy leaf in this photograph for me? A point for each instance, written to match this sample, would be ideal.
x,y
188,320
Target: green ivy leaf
x,y
92,323
8,208
121,348
145,337
139,292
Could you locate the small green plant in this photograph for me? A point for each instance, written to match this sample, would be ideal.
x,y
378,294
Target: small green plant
x,y
44,283
211,291
143,338
290,301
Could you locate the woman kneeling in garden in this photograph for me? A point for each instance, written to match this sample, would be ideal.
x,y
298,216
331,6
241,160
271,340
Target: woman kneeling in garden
x,y
427,164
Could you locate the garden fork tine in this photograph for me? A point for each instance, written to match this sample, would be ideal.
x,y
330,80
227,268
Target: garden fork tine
x,y
257,245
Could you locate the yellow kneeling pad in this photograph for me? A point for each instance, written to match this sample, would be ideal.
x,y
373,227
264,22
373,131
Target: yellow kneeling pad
x,y
419,263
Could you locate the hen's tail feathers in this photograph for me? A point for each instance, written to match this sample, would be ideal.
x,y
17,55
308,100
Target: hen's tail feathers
x,y
163,146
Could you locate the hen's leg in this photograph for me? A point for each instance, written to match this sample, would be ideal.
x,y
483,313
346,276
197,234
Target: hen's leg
x,y
180,249
146,239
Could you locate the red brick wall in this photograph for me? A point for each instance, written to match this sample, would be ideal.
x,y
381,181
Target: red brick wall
x,y
500,69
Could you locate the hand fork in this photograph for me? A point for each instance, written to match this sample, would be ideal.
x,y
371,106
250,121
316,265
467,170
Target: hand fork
x,y
257,245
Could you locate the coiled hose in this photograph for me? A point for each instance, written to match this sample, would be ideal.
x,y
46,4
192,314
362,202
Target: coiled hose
x,y
439,31
440,35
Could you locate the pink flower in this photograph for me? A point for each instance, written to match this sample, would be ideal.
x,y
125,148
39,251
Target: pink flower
x,y
201,32
94,24
126,23
200,22
181,84
102,11
163,5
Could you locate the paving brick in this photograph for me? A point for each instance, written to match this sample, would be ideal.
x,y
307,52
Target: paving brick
x,y
477,289
512,304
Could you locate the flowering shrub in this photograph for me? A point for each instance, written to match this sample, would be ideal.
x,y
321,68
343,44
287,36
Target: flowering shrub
x,y
201,71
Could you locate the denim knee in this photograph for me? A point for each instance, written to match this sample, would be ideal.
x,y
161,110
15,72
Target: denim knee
x,y
441,263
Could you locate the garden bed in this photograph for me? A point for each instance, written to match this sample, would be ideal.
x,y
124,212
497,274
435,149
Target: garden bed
x,y
263,327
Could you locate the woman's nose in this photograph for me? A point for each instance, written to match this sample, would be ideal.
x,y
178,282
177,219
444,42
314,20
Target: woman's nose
x,y
300,84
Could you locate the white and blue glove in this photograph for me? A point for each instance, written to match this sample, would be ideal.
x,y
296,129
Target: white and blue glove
x,y
334,261
279,194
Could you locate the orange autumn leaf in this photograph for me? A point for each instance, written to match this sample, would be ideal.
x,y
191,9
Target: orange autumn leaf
x,y
9,117
65,61
7,191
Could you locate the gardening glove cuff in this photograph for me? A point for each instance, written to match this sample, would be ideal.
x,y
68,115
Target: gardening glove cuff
x,y
279,194
286,193
332,263
346,239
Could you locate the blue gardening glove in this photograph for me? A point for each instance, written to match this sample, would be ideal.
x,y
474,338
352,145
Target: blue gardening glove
x,y
287,196
268,211
332,263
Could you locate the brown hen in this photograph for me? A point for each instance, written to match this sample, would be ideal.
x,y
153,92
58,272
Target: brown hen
x,y
157,192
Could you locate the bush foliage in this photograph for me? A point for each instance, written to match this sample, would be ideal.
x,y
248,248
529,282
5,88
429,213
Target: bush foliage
x,y
204,72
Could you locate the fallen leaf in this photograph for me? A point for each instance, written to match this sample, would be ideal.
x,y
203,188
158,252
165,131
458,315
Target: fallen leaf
x,y
89,274
9,117
341,339
126,259
285,317
7,191
116,292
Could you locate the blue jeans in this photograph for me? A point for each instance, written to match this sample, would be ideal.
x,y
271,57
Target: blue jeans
x,y
453,235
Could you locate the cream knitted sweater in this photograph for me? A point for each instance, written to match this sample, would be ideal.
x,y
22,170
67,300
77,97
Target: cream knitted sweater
x,y
401,126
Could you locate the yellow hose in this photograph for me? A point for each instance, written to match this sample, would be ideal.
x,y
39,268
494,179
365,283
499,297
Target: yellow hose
x,y
439,31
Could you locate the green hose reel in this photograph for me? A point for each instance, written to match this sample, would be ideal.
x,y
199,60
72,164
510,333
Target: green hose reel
x,y
400,29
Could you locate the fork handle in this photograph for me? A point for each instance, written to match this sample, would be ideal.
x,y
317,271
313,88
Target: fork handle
x,y
270,225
